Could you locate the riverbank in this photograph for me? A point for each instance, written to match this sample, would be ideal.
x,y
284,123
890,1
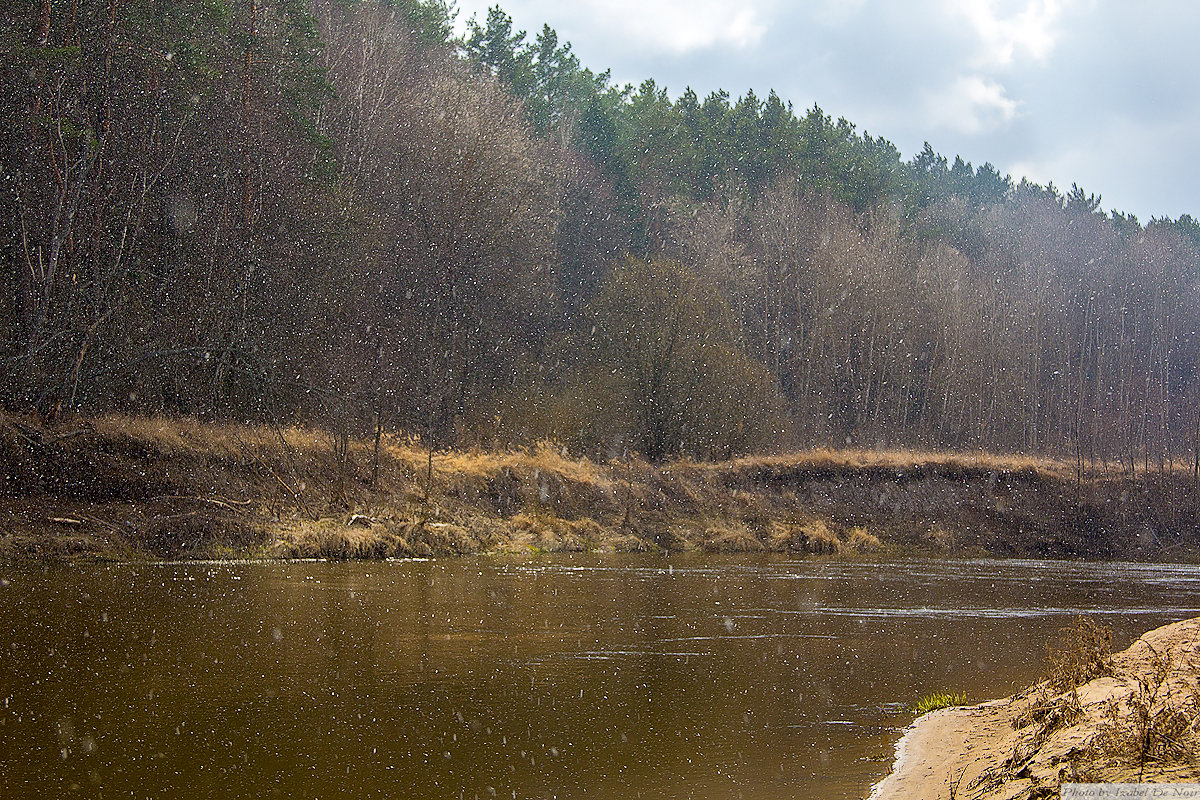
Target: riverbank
x,y
1135,722
126,487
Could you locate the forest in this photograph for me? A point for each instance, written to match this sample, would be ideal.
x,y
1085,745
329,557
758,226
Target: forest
x,y
340,211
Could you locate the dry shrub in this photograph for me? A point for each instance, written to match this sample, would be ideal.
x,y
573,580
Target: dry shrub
x,y
818,538
813,536
1049,713
550,533
198,534
782,536
734,538
1082,652
1157,723
939,537
860,540
334,539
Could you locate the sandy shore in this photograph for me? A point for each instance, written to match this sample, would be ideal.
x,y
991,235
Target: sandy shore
x,y
1136,724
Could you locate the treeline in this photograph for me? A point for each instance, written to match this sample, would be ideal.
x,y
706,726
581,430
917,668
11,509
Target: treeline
x,y
337,210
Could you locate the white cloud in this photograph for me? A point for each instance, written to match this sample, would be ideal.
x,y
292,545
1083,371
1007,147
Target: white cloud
x,y
1141,180
1011,36
1030,31
971,105
657,26
837,12
1041,171
680,27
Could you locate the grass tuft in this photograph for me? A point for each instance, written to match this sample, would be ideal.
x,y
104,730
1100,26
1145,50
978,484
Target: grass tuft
x,y
938,700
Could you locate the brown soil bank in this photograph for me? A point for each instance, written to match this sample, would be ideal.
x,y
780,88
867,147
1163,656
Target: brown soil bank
x,y
170,487
1136,722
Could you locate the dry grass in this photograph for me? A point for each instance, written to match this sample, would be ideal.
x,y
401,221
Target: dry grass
x,y
176,485
183,434
547,533
544,457
337,540
816,536
912,460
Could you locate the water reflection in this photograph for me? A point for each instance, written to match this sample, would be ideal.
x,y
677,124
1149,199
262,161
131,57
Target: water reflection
x,y
580,676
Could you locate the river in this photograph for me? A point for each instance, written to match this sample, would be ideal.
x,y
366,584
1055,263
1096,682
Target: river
x,y
580,676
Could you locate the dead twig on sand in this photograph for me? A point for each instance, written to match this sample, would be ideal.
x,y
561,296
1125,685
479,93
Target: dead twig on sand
x,y
956,783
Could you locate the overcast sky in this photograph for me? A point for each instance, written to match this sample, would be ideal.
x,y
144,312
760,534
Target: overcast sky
x,y
1105,93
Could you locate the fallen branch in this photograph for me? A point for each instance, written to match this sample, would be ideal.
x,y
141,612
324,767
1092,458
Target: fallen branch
x,y
226,503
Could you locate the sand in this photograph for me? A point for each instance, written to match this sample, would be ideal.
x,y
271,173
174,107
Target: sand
x,y
1137,724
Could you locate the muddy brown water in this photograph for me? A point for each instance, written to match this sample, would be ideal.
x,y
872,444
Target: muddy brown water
x,y
543,677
